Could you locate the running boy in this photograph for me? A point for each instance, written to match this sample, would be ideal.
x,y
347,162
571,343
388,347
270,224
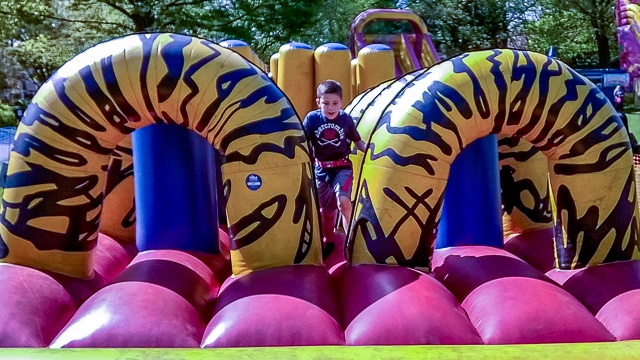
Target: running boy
x,y
331,131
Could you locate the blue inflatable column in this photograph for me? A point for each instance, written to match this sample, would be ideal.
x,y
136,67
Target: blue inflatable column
x,y
175,189
472,208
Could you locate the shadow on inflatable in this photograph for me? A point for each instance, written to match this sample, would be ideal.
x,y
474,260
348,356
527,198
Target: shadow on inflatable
x,y
160,194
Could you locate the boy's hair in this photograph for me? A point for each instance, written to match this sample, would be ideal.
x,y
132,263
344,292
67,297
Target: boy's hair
x,y
329,87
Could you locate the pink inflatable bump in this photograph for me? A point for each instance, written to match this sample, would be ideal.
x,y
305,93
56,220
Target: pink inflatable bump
x,y
393,305
463,268
536,247
34,307
133,314
162,299
520,310
284,306
110,259
33,321
510,302
611,291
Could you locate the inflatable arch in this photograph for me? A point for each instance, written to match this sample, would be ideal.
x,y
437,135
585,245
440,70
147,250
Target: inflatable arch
x,y
523,169
420,123
83,116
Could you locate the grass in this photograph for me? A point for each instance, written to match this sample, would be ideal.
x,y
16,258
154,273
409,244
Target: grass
x,y
633,116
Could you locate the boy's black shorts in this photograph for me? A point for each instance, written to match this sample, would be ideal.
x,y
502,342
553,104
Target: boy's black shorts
x,y
332,183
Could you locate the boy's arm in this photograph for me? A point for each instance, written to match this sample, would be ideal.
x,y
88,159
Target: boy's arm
x,y
305,127
360,145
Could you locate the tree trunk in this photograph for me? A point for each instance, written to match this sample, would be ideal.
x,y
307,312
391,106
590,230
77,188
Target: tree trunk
x,y
604,57
604,60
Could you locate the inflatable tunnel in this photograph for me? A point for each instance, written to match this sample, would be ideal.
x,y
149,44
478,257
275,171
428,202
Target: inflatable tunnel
x,y
418,124
73,148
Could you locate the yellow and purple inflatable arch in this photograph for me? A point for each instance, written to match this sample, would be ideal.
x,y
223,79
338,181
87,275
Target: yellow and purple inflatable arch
x,y
59,170
420,123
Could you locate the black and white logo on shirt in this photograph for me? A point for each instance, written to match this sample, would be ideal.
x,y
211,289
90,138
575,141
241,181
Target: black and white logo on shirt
x,y
329,134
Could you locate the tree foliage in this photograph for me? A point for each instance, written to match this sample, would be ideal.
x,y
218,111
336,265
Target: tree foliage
x,y
466,25
583,31
593,17
41,35
569,33
38,36
7,116
267,24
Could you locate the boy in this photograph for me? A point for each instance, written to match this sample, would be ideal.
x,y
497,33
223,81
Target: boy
x,y
331,131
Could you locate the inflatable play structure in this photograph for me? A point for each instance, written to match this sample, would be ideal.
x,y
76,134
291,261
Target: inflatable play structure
x,y
372,58
160,195
413,50
628,29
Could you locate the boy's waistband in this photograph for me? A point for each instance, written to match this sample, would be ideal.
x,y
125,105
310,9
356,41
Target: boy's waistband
x,y
333,163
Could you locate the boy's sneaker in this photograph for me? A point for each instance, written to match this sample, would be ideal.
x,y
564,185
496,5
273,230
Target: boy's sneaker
x,y
327,249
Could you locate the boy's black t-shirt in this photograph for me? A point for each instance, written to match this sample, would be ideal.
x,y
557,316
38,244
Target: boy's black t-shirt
x,y
330,139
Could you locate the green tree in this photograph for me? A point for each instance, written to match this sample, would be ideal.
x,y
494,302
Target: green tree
x,y
42,55
261,23
465,25
598,21
569,33
265,24
7,116
41,35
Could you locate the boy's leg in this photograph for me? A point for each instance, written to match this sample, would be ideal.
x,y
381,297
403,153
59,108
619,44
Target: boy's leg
x,y
344,205
342,187
328,214
328,220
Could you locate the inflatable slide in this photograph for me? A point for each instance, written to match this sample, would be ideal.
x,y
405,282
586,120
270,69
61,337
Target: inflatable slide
x,y
412,51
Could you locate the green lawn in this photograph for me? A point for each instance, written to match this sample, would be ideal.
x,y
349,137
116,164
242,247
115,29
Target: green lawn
x,y
633,116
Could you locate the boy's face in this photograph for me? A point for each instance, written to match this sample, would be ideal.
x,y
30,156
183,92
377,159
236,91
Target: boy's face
x,y
330,105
